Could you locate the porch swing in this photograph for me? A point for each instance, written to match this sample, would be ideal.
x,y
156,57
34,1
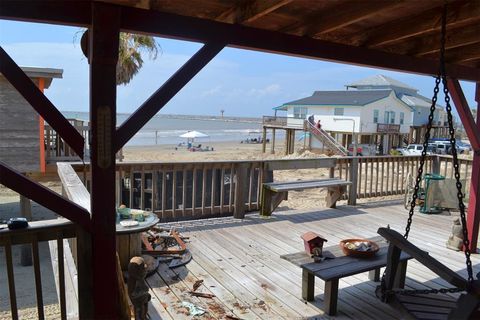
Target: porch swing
x,y
432,303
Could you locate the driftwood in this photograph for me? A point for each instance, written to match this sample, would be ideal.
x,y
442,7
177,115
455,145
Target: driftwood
x,y
138,288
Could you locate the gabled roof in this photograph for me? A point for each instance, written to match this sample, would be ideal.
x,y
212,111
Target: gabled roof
x,y
343,98
380,81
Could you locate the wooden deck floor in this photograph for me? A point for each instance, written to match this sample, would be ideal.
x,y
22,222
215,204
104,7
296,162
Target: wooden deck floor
x,y
240,264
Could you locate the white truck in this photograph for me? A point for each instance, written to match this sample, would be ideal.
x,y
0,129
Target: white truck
x,y
416,149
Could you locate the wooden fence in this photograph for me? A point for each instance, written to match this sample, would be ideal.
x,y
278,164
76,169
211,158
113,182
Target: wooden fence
x,y
53,231
193,190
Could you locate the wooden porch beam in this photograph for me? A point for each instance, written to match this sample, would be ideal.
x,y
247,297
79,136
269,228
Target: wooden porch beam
x,y
473,211
70,13
166,92
201,30
464,112
431,44
14,180
35,97
458,13
348,15
248,11
103,56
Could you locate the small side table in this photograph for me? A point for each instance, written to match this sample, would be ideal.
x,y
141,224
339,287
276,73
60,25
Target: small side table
x,y
129,239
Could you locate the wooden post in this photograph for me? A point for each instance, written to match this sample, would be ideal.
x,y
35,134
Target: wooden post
x,y
436,165
103,56
352,191
287,138
264,140
26,212
292,143
473,213
240,190
272,147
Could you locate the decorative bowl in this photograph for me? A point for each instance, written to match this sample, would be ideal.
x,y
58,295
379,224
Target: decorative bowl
x,y
359,248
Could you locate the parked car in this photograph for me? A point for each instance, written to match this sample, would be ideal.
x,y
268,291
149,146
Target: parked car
x,y
363,150
416,149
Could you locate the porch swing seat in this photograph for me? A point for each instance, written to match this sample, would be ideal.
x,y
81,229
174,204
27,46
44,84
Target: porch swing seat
x,y
427,306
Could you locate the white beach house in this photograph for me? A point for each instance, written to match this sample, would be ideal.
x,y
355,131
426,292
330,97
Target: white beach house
x,y
379,109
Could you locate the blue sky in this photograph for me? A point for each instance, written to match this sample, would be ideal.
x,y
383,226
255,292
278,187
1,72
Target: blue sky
x,y
243,83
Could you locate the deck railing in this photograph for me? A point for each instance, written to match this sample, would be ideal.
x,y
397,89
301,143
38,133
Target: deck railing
x,y
275,121
194,190
55,232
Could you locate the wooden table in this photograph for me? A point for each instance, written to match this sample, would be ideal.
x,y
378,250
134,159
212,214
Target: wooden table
x,y
331,270
129,239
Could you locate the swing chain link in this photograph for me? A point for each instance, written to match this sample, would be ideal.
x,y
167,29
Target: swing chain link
x,y
381,291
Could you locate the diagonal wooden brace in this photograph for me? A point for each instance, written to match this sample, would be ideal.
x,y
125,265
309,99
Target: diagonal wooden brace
x,y
464,112
14,180
166,92
24,85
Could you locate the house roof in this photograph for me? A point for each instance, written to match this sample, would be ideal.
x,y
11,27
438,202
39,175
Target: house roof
x,y
344,98
380,80
309,236
46,73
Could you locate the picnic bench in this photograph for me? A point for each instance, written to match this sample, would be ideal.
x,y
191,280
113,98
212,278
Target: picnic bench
x,y
273,193
340,266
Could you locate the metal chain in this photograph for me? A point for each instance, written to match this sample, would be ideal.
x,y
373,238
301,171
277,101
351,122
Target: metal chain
x,y
441,77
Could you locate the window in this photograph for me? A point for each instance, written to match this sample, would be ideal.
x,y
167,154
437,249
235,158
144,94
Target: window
x,y
402,117
339,111
386,118
392,117
300,112
375,116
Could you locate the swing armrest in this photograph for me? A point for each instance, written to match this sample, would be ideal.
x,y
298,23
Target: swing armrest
x,y
423,257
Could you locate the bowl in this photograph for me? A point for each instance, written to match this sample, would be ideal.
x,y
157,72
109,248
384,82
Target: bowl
x,y
358,253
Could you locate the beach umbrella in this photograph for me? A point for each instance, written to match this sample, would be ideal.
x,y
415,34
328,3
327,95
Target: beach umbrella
x,y
193,134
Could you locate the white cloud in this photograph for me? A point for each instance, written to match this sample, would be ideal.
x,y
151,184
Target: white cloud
x,y
211,92
271,89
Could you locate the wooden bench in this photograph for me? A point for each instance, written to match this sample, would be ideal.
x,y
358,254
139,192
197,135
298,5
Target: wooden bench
x,y
332,270
274,193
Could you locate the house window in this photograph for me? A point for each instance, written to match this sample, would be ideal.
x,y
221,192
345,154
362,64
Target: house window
x,y
392,117
402,117
300,112
339,111
386,117
375,116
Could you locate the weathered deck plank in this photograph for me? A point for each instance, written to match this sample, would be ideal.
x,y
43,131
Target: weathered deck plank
x,y
240,263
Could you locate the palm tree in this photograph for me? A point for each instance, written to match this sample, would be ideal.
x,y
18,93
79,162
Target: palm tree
x,y
131,48
222,111
130,51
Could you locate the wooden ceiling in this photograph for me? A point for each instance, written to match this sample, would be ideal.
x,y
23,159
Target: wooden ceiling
x,y
408,27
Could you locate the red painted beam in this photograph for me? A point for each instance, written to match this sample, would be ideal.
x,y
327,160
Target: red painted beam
x,y
473,213
25,86
464,112
202,30
14,180
166,92
103,56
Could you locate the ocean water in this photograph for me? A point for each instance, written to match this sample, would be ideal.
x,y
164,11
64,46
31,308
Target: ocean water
x,y
166,129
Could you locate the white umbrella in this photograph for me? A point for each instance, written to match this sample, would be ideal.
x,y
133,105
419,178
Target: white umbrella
x,y
193,134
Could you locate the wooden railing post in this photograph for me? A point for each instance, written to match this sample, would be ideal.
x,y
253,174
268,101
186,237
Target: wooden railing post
x,y
26,212
241,186
435,164
352,193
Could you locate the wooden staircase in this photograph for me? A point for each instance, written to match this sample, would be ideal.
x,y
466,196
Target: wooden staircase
x,y
326,139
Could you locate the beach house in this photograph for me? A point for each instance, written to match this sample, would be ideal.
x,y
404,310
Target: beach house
x,y
22,137
378,110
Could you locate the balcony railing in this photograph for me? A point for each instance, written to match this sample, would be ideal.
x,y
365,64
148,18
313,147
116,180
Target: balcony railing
x,y
275,121
388,128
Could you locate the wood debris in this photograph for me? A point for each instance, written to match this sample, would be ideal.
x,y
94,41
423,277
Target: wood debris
x,y
202,294
197,284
